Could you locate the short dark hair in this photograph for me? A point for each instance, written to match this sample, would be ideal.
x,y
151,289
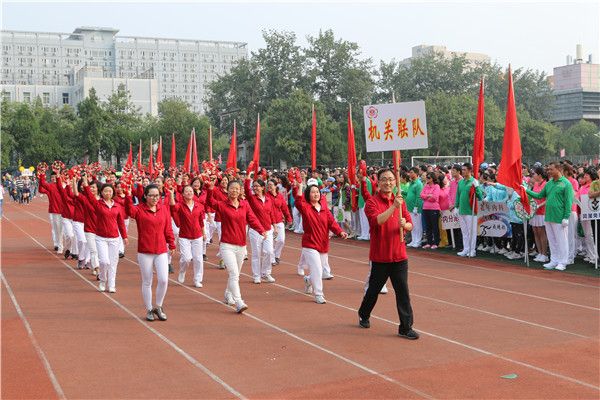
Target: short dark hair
x,y
382,171
307,193
232,181
457,167
147,190
468,166
416,170
105,185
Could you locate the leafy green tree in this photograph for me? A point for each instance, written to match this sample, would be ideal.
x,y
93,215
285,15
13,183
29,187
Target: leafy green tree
x,y
122,123
91,125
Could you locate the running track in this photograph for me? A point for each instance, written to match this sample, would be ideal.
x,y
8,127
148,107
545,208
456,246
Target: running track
x,y
478,321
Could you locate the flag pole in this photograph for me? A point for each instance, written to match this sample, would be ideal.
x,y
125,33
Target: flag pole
x,y
526,243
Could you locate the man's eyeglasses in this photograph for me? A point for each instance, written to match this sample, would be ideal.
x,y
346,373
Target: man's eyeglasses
x,y
387,179
153,195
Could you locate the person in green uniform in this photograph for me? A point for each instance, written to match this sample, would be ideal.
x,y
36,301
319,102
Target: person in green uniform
x,y
364,222
466,216
558,193
414,204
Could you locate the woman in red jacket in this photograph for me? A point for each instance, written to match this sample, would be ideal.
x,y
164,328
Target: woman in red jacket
x,y
153,221
188,214
83,250
89,221
109,224
317,221
220,194
54,205
67,211
235,215
280,210
120,198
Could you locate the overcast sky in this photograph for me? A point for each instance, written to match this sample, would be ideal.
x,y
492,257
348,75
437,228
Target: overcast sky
x,y
529,34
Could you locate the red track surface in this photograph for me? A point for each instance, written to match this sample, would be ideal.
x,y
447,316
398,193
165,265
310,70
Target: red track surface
x,y
478,320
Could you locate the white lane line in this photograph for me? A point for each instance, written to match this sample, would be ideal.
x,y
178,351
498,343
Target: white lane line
x,y
337,275
305,341
412,255
179,350
477,285
34,342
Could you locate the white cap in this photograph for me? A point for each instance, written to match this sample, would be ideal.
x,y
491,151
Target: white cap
x,y
312,181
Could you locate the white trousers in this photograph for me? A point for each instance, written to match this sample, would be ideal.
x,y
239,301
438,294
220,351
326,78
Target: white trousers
x,y
262,251
572,236
69,241
121,243
176,234
218,228
91,246
279,241
314,261
297,219
209,230
56,223
468,228
108,257
558,242
190,250
589,243
364,224
82,249
417,230
233,258
146,263
324,263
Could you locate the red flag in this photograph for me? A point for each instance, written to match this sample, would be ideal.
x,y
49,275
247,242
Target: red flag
x,y
351,150
256,158
232,157
129,162
313,142
509,173
159,152
210,155
194,152
188,155
150,164
478,144
173,154
139,160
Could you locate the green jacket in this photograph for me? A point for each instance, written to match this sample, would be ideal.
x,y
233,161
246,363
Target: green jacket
x,y
413,196
559,199
463,191
361,199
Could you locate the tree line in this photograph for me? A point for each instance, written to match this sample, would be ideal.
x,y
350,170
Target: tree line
x,y
282,81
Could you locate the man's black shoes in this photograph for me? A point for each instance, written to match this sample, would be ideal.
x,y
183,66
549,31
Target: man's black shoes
x,y
410,335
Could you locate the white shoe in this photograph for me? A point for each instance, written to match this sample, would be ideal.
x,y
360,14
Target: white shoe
x,y
301,272
241,307
95,271
493,250
509,254
550,265
102,286
485,248
533,253
516,256
268,278
502,251
481,247
461,254
256,280
307,285
570,262
473,254
229,299
544,259
384,289
538,258
320,299
561,267
328,277
198,284
181,277
112,290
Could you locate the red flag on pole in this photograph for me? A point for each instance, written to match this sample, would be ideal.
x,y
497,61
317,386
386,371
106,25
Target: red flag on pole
x,y
173,153
510,171
195,167
129,162
478,144
313,142
210,155
150,164
256,158
188,155
139,160
159,152
351,150
232,157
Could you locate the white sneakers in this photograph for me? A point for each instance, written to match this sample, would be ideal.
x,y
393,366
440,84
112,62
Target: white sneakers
x,y
502,251
268,278
307,285
198,284
328,277
301,272
561,267
229,299
256,280
240,307
112,290
481,247
462,254
320,299
102,286
550,265
384,289
181,277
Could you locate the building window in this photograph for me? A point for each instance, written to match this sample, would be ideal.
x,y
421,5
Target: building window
x,y
27,97
65,98
46,98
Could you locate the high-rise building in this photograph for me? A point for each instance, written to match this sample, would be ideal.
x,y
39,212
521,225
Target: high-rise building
x,y
61,67
576,87
425,50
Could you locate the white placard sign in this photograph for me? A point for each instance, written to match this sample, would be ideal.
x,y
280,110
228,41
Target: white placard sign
x,y
396,126
590,208
450,219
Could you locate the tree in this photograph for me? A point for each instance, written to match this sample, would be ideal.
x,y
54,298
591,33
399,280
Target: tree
x,y
91,126
122,124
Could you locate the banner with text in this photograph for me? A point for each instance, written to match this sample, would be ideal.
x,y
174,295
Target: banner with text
x,y
450,219
493,220
396,126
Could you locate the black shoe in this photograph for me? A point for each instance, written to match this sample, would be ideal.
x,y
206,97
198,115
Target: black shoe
x,y
67,254
121,255
410,335
246,258
160,314
205,257
55,248
364,323
74,257
171,270
277,261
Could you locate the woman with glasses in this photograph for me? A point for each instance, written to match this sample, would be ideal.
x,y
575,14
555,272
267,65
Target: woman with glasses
x,y
153,221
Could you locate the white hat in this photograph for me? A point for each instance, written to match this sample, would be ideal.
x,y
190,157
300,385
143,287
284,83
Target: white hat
x,y
312,181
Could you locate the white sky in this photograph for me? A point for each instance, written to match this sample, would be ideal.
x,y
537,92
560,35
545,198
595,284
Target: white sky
x,y
531,34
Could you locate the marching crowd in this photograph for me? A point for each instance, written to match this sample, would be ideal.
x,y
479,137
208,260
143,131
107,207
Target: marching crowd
x,y
90,210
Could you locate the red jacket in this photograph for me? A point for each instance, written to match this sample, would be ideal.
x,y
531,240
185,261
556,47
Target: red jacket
x,y
68,206
190,222
89,214
154,227
109,222
121,201
79,214
234,220
263,209
316,225
218,195
50,189
386,246
280,208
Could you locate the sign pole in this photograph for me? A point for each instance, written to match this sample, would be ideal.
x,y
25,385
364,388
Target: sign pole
x,y
596,239
526,243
